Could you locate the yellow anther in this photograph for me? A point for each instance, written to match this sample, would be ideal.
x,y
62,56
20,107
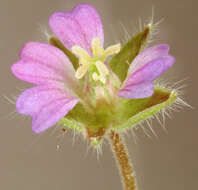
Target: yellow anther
x,y
102,69
81,71
97,49
83,61
80,52
112,50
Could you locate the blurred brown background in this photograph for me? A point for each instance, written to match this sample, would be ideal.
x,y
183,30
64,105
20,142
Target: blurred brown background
x,y
33,162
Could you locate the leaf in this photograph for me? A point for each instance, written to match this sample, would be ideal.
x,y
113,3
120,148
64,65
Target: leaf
x,y
121,61
57,43
133,111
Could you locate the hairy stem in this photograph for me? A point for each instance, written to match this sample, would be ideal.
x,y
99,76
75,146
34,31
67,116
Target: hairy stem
x,y
122,158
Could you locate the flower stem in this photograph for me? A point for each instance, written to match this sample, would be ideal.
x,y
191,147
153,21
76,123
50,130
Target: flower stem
x,y
121,155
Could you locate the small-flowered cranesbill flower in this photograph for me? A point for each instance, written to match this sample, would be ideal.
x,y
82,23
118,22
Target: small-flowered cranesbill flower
x,y
96,91
88,88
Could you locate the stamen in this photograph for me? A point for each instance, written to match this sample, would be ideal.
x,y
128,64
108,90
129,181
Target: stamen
x,y
103,79
100,78
81,71
98,57
112,50
81,53
103,72
97,49
95,76
102,69
83,61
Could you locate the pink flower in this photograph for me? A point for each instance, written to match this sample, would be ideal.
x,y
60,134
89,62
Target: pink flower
x,y
58,87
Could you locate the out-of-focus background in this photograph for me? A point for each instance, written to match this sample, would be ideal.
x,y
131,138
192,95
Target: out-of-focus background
x,y
52,161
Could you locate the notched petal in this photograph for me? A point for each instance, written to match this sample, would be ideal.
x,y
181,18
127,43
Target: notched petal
x,y
77,27
46,104
42,63
139,84
148,55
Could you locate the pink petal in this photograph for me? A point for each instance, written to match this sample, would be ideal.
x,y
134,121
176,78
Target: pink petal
x,y
139,83
51,114
46,104
42,63
141,90
148,55
77,27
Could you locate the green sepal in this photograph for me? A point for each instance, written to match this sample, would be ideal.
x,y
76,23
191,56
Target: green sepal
x,y
121,61
95,120
76,126
125,115
57,43
133,111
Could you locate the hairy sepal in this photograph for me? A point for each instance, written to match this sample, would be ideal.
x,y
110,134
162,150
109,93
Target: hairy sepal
x,y
57,43
126,114
72,124
133,111
94,122
121,61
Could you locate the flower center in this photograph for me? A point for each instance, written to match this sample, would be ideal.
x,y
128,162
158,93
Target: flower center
x,y
94,63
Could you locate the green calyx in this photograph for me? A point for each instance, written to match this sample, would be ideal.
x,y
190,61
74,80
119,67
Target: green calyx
x,y
96,120
124,115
